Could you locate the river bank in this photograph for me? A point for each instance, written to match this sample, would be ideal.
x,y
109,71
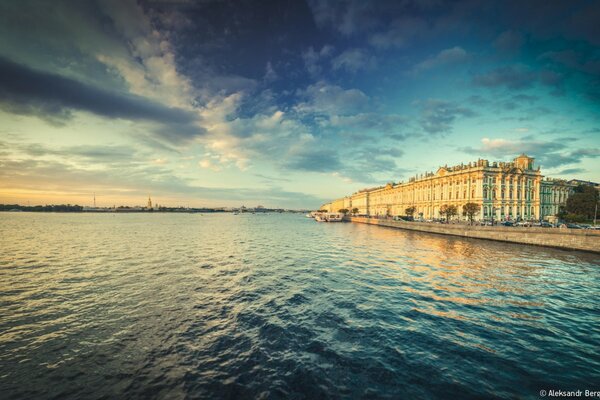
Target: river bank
x,y
585,240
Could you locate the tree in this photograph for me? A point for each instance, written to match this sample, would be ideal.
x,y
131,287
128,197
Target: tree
x,y
343,211
469,210
410,211
449,211
582,203
355,211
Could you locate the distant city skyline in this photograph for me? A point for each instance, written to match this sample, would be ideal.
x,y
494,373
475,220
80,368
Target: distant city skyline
x,y
286,104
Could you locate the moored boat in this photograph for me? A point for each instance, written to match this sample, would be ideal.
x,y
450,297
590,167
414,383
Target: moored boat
x,y
334,217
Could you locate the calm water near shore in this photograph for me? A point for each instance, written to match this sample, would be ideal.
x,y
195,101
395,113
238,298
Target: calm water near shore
x,y
279,306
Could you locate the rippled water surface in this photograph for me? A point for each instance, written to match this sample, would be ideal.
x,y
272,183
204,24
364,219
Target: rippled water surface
x,y
279,306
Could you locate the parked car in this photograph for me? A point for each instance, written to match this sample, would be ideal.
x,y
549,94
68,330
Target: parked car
x,y
545,224
573,226
507,223
585,226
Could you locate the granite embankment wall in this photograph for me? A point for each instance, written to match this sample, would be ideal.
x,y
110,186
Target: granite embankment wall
x,y
572,239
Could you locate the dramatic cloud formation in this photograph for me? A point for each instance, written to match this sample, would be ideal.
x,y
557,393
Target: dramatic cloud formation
x,y
287,104
27,91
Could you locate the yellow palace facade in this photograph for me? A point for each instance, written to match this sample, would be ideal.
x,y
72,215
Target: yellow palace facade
x,y
506,190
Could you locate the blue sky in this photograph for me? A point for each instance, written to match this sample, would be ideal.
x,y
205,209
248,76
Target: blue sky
x,y
287,103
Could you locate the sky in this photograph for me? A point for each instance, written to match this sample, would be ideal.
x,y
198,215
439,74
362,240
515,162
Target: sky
x,y
287,103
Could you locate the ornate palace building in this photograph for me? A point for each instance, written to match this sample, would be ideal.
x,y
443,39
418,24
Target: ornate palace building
x,y
507,190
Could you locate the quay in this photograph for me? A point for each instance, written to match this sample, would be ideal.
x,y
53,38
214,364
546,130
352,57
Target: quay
x,y
569,239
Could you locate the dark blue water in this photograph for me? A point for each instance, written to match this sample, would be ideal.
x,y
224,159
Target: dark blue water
x,y
277,306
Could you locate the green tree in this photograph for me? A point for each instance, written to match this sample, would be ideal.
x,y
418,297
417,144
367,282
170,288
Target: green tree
x,y
355,211
410,211
470,210
343,211
449,211
582,203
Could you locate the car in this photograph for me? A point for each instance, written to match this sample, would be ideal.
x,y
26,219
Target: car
x,y
507,223
523,223
585,226
546,225
573,226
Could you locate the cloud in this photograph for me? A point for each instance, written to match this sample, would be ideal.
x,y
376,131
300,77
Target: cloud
x,y
354,60
27,91
438,116
586,62
270,74
312,59
454,55
571,171
401,33
209,164
513,77
148,63
322,97
370,122
347,17
549,154
509,42
319,160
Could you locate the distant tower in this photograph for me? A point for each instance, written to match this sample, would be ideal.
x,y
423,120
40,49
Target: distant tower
x,y
149,203
94,199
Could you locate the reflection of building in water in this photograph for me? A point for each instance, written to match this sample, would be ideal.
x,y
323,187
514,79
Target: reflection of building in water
x,y
508,190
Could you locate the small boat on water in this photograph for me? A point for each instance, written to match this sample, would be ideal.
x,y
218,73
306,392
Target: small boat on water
x,y
334,217
320,218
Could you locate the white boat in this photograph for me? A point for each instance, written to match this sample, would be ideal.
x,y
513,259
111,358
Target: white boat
x,y
320,218
334,217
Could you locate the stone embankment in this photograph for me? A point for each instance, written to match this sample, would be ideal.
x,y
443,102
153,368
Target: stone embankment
x,y
572,239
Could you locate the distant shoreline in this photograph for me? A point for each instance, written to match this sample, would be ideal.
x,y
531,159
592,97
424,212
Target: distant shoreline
x,y
124,209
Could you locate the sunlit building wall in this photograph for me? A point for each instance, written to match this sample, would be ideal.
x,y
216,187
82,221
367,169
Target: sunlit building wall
x,y
504,190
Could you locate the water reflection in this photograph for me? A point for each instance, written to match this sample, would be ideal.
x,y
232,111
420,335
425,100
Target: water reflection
x,y
278,306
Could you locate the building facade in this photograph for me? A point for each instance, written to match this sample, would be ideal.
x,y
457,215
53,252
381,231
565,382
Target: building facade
x,y
504,191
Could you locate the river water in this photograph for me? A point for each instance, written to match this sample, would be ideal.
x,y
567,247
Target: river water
x,y
177,306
